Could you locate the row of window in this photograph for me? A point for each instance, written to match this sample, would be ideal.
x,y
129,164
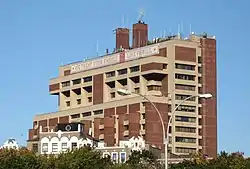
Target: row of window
x,y
185,87
183,97
186,108
55,147
185,129
184,66
116,157
185,140
185,77
85,114
79,101
123,71
77,81
185,119
185,150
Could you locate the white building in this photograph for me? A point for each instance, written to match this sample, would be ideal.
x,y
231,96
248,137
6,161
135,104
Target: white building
x,y
10,144
71,136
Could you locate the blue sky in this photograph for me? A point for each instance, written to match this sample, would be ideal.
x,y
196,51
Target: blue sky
x,y
36,37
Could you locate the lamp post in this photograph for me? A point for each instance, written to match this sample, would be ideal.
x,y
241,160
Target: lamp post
x,y
165,139
205,96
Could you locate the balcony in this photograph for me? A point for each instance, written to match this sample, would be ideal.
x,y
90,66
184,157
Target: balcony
x,y
154,83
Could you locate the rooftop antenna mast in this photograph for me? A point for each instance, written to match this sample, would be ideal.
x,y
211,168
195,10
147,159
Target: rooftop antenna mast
x,y
190,29
178,34
97,48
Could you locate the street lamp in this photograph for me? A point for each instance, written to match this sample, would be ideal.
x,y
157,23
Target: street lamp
x,y
165,139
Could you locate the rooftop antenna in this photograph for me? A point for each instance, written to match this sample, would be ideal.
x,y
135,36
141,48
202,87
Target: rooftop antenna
x,y
142,13
164,33
170,31
181,32
190,29
178,34
97,48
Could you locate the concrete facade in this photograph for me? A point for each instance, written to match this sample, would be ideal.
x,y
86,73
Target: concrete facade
x,y
166,71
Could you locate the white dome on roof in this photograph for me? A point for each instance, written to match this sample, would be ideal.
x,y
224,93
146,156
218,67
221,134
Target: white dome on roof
x,y
10,144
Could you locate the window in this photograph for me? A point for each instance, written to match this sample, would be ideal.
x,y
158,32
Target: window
x,y
78,101
154,87
88,89
200,80
184,66
64,146
165,66
86,114
126,127
137,90
183,97
186,108
185,87
98,112
75,116
89,99
143,126
114,156
45,147
106,155
199,59
77,81
134,69
199,70
122,157
185,77
35,147
65,84
67,103
143,116
110,74
185,140
185,129
87,79
112,95
185,150
185,119
54,147
73,146
122,71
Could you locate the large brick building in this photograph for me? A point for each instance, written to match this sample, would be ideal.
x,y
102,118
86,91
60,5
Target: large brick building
x,y
166,70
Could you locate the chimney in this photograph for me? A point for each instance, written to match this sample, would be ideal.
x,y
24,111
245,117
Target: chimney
x,y
122,38
140,34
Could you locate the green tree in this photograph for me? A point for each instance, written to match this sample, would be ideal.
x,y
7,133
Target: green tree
x,y
19,159
143,160
83,158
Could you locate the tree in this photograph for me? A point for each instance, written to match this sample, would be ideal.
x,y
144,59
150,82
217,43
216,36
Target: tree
x,y
19,159
143,160
83,158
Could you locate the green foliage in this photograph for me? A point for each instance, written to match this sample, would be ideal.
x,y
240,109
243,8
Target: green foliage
x,y
143,160
223,161
87,158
